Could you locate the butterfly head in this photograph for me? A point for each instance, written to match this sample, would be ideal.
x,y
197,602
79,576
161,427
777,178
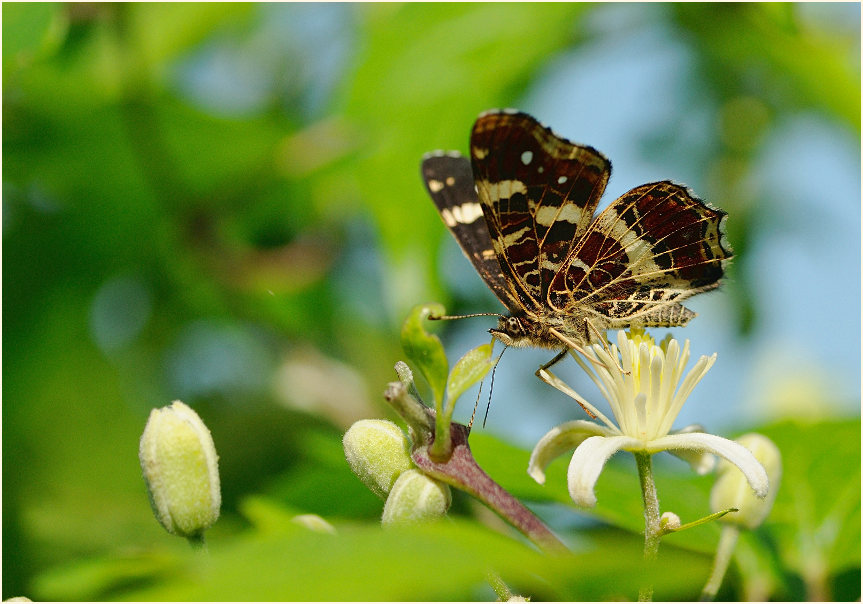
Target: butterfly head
x,y
518,331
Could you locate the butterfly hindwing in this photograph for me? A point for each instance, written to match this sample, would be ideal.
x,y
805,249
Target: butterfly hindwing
x,y
655,246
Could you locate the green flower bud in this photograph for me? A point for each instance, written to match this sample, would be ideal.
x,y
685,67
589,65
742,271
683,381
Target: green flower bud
x,y
181,470
731,489
378,452
416,497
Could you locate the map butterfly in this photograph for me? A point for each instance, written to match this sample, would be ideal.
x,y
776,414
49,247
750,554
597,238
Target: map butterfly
x,y
522,210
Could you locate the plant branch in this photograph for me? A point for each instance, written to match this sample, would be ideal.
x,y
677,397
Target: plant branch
x,y
462,472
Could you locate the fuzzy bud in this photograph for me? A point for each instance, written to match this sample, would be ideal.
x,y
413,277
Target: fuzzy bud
x,y
378,452
731,489
669,521
416,497
181,469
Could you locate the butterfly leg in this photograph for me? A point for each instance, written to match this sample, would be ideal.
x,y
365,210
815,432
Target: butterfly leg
x,y
601,337
553,361
552,380
578,348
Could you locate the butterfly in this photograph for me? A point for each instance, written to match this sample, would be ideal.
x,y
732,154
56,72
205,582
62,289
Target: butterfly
x,y
522,209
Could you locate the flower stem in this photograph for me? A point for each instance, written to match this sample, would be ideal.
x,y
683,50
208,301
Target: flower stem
x,y
652,525
500,588
197,542
727,541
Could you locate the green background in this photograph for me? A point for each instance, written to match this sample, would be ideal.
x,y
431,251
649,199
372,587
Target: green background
x,y
255,258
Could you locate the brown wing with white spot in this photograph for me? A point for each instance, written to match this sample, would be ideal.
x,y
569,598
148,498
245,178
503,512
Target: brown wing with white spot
x,y
449,182
538,192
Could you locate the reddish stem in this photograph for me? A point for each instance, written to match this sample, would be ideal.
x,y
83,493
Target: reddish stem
x,y
462,472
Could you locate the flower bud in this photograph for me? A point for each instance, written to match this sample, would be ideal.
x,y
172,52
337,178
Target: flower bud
x,y
669,521
181,470
378,452
731,489
416,497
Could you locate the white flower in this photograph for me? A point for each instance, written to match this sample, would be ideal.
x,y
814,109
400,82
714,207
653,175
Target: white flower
x,y
645,398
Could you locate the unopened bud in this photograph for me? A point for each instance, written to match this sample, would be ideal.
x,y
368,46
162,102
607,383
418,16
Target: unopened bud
x,y
733,491
416,497
181,469
669,521
378,452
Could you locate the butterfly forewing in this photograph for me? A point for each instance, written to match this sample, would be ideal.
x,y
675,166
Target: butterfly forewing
x,y
449,182
539,193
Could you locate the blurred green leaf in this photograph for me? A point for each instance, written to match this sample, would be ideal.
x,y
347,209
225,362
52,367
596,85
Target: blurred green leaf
x,y
467,371
742,39
104,577
815,525
425,350
29,26
440,561
166,29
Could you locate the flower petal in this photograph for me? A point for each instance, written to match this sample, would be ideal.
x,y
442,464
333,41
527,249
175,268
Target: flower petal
x,y
734,452
558,441
587,463
700,461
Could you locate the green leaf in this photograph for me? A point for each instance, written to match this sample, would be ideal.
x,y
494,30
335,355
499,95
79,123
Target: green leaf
x,y
815,523
439,561
424,349
467,371
29,27
738,39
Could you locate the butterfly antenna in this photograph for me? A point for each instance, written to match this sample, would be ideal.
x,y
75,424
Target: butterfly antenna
x,y
491,385
475,405
478,314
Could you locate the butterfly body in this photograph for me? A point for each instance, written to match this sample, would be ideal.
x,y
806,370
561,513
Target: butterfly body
x,y
522,210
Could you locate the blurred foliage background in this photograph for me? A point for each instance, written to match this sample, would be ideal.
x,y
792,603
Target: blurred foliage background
x,y
221,203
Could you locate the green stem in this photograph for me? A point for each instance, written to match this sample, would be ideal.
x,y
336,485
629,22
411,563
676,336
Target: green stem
x,y
724,551
500,588
197,542
417,416
441,449
652,525
700,521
